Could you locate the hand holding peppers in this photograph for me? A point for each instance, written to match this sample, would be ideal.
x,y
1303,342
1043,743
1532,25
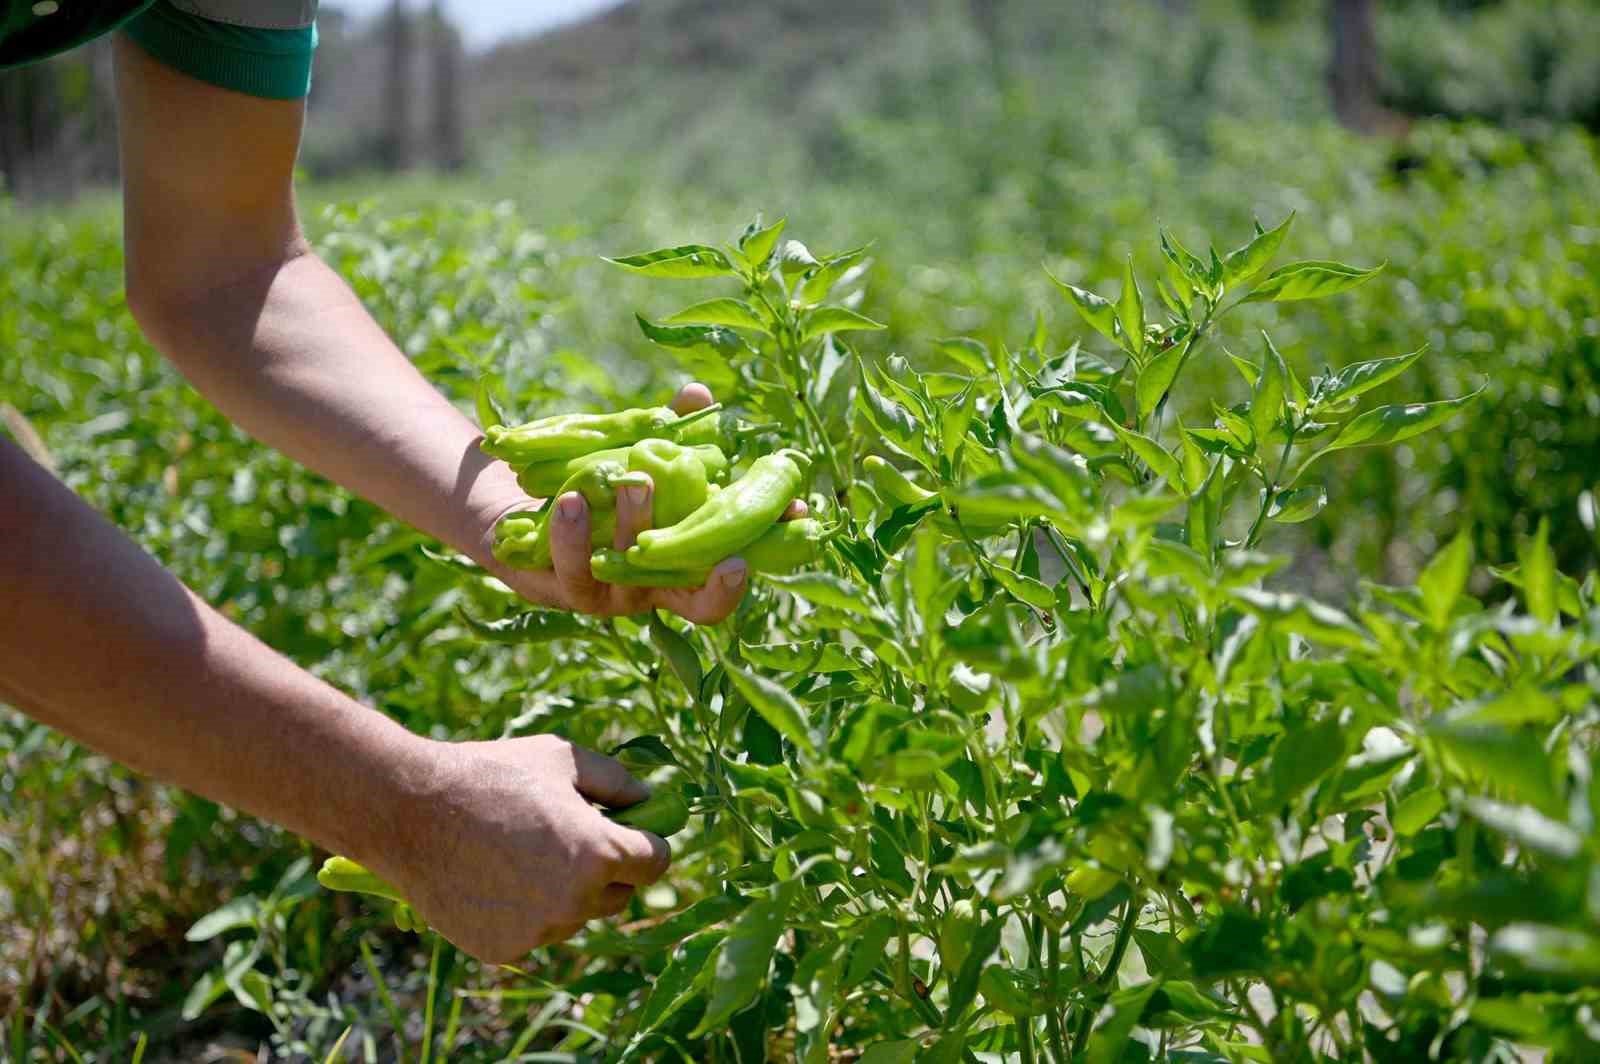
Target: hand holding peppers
x,y
545,553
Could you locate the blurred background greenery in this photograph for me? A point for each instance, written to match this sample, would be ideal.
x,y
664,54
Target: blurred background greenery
x,y
466,192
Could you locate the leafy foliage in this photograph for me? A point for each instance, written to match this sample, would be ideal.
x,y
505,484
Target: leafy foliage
x,y
1058,762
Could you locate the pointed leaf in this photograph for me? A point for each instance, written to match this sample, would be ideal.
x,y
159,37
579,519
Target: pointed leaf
x,y
1445,578
744,959
686,261
836,319
732,312
757,244
1358,378
775,704
1152,454
1391,424
1310,280
1246,262
1130,310
1538,571
1098,312
1156,377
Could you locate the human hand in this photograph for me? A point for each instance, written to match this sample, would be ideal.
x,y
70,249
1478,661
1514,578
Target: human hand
x,y
569,583
501,851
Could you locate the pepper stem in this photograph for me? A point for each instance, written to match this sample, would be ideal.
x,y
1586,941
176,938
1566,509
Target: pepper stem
x,y
688,419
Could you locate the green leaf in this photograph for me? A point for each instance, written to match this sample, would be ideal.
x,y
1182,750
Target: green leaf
x,y
811,657
833,320
820,281
1310,280
1269,404
1098,312
1244,263
1528,828
1152,454
825,589
1156,377
1358,378
253,990
231,915
1391,424
643,753
972,355
1511,760
678,984
687,261
1537,567
815,989
900,1051
1553,951
1306,617
203,994
1121,1014
794,257
1417,810
1520,705
731,312
679,654
1130,311
1301,504
716,340
757,244
1189,267
744,958
1025,588
888,417
964,984
868,951
1305,755
775,704
1445,578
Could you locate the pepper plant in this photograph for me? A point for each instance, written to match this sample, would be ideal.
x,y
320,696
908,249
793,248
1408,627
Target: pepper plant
x,y
1051,758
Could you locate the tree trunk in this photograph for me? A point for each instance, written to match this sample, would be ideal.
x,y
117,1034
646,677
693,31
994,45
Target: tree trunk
x,y
449,134
398,85
1353,70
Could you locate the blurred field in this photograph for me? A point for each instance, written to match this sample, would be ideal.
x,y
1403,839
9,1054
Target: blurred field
x,y
970,163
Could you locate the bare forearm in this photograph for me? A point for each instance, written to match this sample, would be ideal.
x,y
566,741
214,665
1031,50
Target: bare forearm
x,y
97,641
291,356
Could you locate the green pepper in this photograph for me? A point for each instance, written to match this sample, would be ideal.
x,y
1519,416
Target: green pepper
x,y
543,480
664,813
341,873
679,479
729,521
598,484
566,436
522,545
894,485
783,548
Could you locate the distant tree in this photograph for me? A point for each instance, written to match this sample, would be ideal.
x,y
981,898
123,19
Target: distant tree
x,y
449,120
989,17
400,72
1354,68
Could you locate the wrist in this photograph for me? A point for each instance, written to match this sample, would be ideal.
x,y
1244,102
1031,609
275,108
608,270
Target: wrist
x,y
399,807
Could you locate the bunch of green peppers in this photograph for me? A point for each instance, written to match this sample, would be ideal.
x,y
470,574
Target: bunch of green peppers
x,y
697,522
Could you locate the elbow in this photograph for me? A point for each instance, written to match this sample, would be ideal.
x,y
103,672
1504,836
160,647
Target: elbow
x,y
151,304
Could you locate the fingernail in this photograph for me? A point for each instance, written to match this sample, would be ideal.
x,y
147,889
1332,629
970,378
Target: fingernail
x,y
571,506
635,494
733,579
